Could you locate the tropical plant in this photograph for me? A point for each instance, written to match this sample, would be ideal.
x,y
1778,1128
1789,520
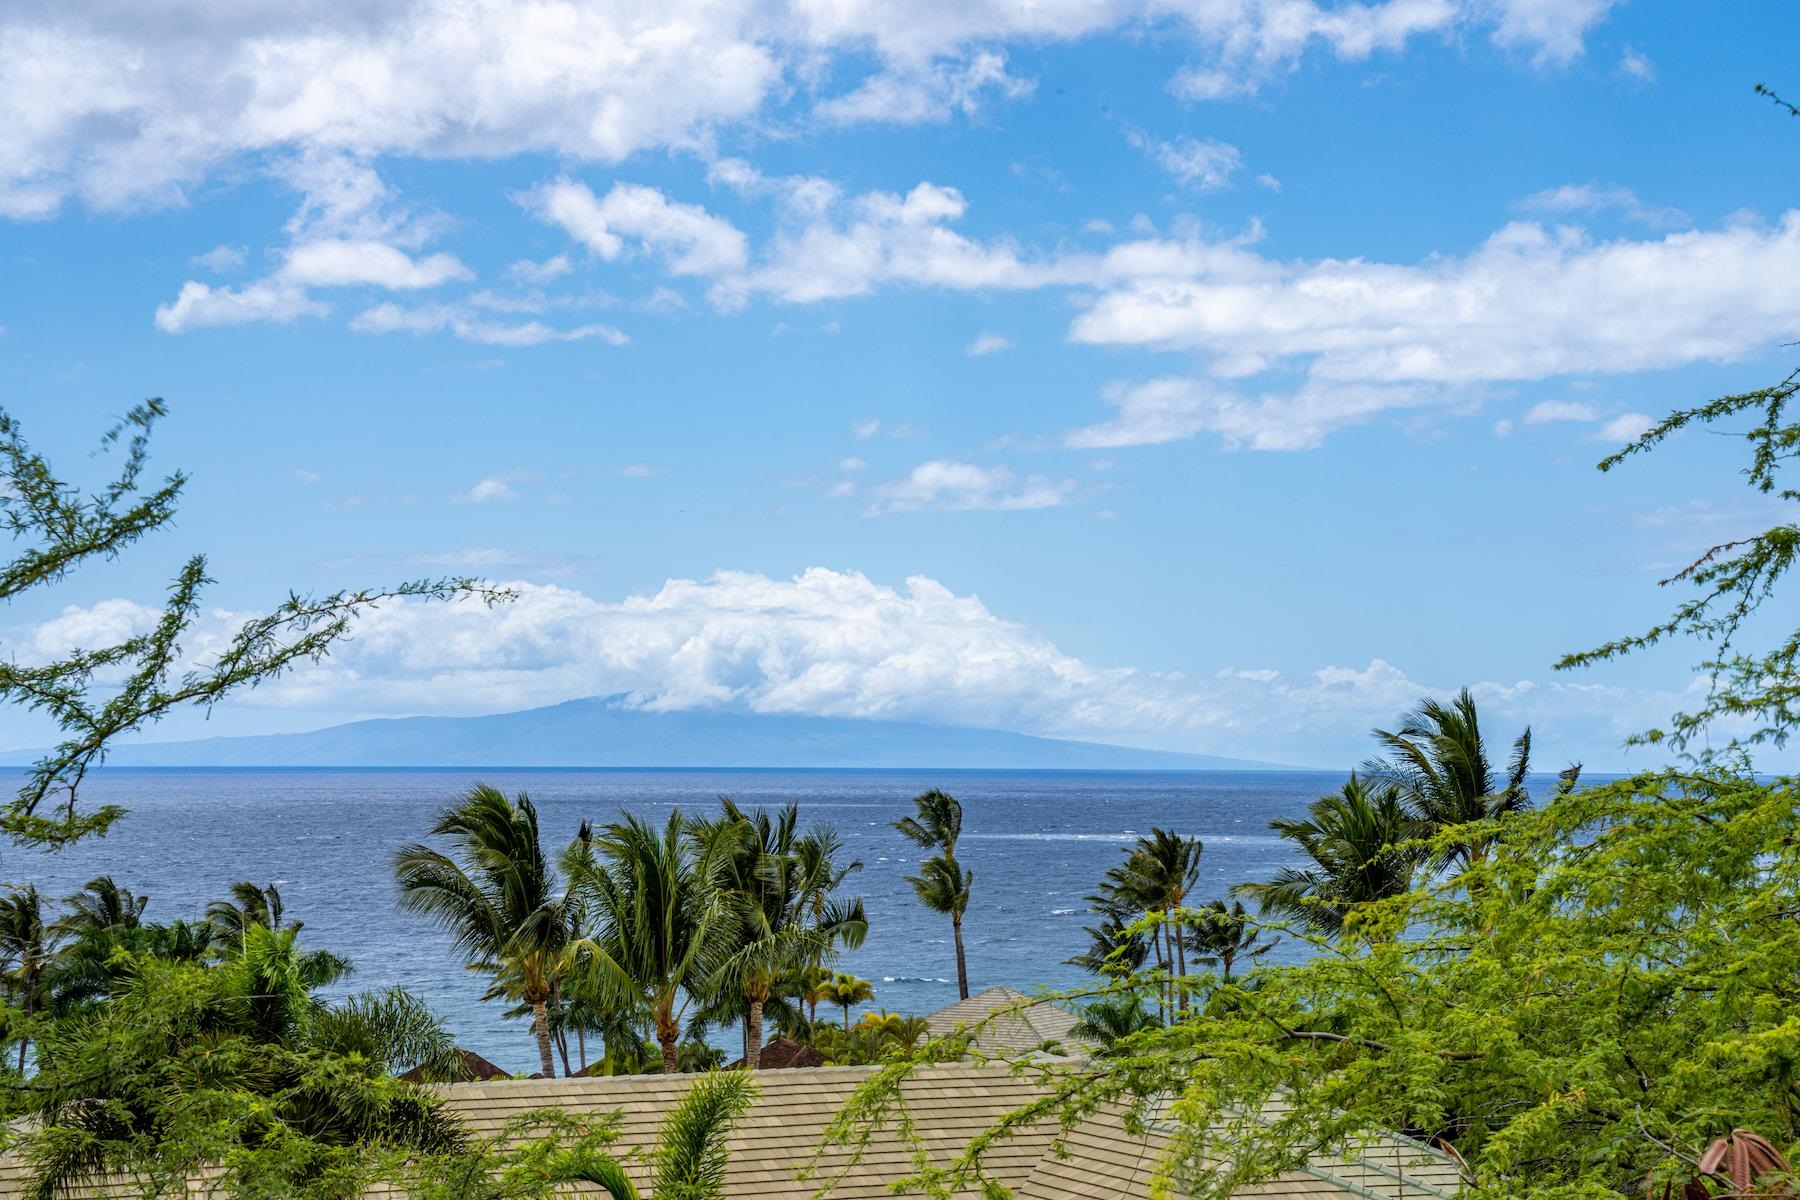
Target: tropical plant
x,y
252,907
498,898
102,906
28,945
941,884
660,915
1360,846
1438,762
236,1069
845,991
1109,1020
1222,937
787,918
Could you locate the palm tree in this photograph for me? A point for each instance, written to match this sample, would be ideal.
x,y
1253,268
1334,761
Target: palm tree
x,y
846,990
941,884
1358,843
252,907
1221,936
1109,1021
27,946
1439,763
102,906
787,918
1157,876
661,916
499,899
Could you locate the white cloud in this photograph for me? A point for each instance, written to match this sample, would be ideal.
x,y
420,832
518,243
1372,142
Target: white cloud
x,y
863,430
690,240
436,318
887,239
1637,64
1593,198
1546,411
198,305
118,110
1626,427
220,259
852,464
1170,409
1203,164
494,487
915,93
963,487
337,262
537,273
306,476
1527,304
988,343
835,643
1552,30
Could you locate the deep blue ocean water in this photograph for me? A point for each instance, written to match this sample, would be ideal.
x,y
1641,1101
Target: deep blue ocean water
x,y
1037,841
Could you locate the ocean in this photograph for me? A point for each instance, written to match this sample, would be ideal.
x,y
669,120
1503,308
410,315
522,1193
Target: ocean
x,y
1037,841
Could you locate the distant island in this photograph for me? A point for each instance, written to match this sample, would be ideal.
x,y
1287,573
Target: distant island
x,y
609,732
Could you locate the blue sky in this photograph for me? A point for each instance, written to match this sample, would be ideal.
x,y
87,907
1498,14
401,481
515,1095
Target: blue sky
x,y
1218,376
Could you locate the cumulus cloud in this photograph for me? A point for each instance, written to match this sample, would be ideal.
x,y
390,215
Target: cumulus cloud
x,y
836,643
963,487
338,262
120,111
220,259
493,487
198,305
886,238
690,240
988,343
1626,427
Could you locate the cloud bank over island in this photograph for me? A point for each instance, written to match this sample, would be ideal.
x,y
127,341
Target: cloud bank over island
x,y
833,643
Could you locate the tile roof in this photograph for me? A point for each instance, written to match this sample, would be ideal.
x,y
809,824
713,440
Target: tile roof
x,y
949,1104
1015,1023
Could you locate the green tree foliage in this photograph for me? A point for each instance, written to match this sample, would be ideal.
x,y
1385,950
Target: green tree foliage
x,y
1612,987
62,528
942,884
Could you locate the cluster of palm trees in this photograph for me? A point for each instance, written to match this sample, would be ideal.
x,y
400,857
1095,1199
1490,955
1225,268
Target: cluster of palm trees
x,y
1429,804
636,928
1146,921
67,958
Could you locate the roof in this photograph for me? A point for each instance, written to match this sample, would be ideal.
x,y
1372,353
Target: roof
x,y
474,1069
1019,1024
949,1103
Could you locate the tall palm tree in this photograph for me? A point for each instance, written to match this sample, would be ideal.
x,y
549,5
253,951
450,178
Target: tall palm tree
x,y
498,898
1357,843
661,916
941,884
845,991
1439,763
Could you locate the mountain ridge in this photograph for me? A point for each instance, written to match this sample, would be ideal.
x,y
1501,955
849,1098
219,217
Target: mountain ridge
x,y
607,732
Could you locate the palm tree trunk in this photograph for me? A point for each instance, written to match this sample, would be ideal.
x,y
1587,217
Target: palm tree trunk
x,y
668,1031
581,1045
846,1018
540,1025
962,965
1180,967
753,1036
